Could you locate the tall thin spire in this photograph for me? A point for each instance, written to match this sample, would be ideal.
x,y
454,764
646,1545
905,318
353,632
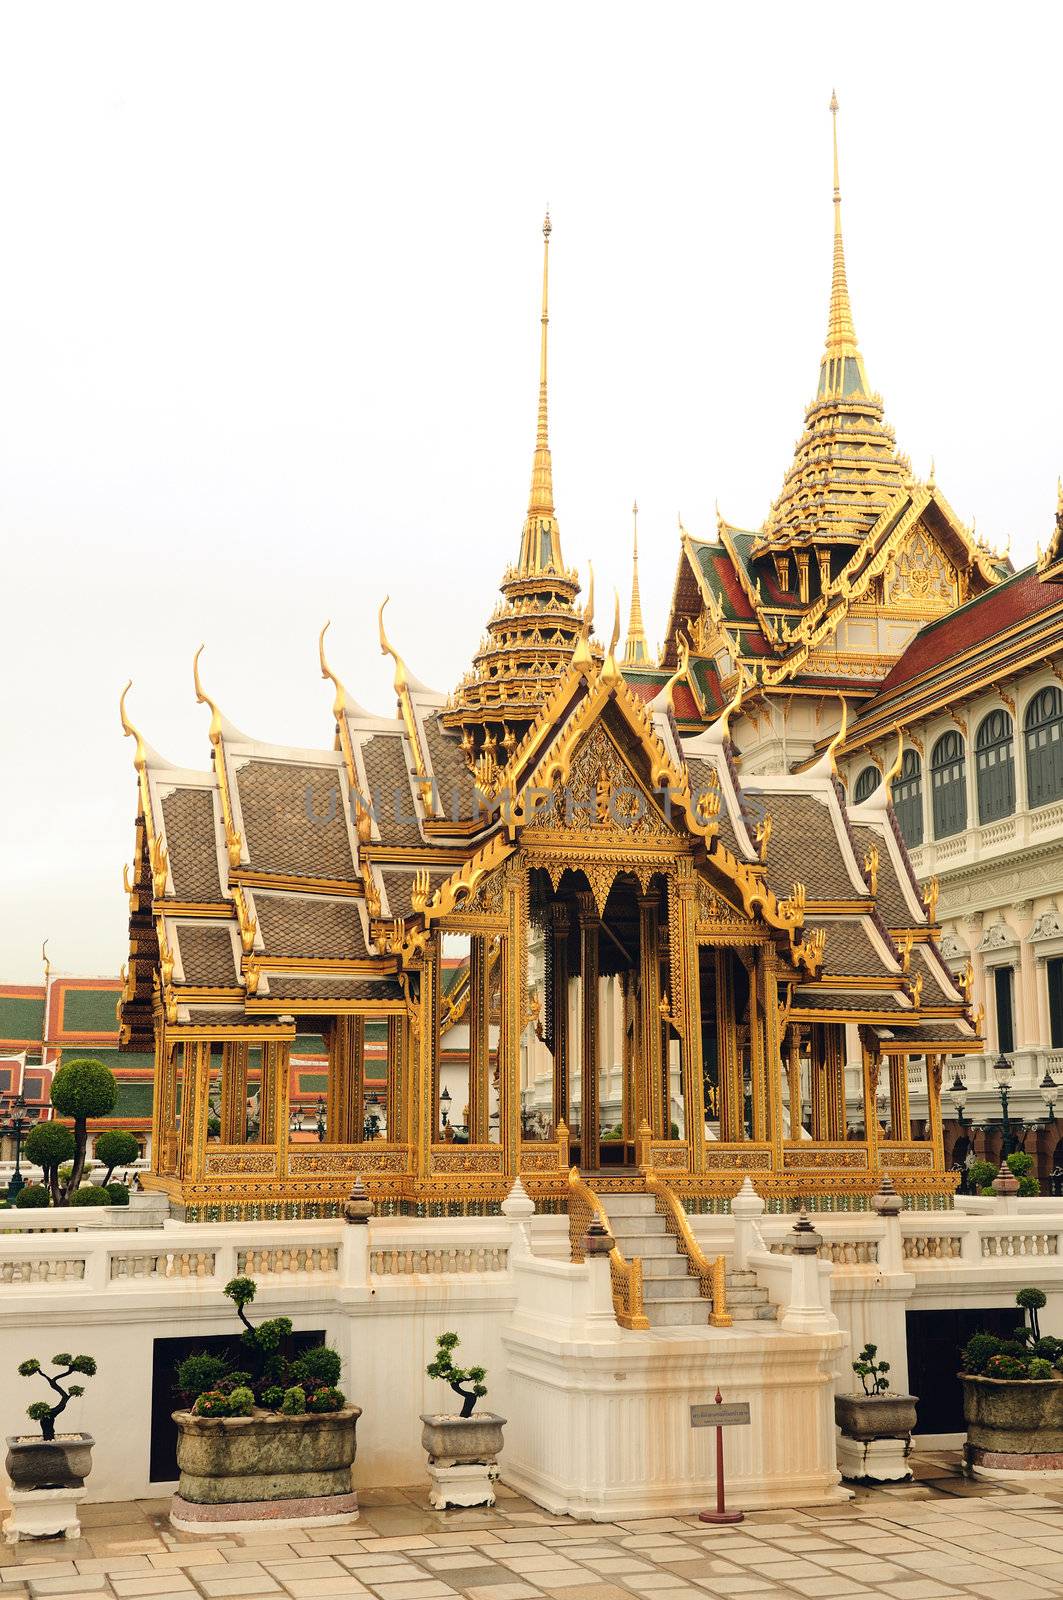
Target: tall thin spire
x,y
539,545
842,369
636,650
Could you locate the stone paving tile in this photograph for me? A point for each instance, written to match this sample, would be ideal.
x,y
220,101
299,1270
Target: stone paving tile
x,y
496,1591
322,1588
399,1572
151,1583
425,1589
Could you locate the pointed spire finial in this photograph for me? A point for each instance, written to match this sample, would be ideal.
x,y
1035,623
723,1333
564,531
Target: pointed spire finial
x,y
636,649
540,547
842,370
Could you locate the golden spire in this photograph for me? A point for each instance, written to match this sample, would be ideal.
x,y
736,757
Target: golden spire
x,y
842,370
339,705
539,545
636,649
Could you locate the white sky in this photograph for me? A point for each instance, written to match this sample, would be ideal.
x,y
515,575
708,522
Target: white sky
x,y
268,338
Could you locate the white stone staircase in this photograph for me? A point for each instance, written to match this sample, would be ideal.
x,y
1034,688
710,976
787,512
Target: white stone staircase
x,y
671,1295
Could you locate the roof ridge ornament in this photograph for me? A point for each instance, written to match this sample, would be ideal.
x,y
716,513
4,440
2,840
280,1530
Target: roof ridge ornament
x,y
636,649
233,842
610,671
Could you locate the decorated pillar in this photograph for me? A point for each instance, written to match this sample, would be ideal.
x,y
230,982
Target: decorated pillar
x,y
834,1080
686,1007
757,1085
872,1061
200,1107
933,1100
233,1093
395,1096
773,1066
793,1079
650,1015
479,1039
559,930
732,1126
276,1072
900,1116
589,931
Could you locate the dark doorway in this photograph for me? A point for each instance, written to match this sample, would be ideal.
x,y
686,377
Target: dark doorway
x,y
166,1356
935,1339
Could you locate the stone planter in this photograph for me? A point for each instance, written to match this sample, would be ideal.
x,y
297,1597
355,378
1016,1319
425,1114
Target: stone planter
x,y
1014,1425
240,1471
876,1436
462,1457
47,1484
36,1463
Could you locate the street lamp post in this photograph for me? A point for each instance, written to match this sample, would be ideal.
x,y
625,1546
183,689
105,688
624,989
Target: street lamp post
x,y
320,1120
19,1118
1013,1130
444,1106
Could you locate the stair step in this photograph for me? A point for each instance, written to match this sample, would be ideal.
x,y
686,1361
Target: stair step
x,y
741,1313
747,1297
677,1313
741,1280
665,1267
629,1205
656,1289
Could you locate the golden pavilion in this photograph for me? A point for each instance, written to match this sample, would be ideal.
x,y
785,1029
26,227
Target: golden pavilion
x,y
593,947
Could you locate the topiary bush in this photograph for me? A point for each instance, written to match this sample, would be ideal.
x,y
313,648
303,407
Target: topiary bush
x,y
1032,1300
82,1089
48,1145
443,1367
90,1194
978,1350
1039,1368
115,1148
118,1192
40,1411
980,1175
34,1197
276,1379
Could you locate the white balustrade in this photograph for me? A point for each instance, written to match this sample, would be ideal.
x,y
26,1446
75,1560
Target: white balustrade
x,y
403,1261
313,1258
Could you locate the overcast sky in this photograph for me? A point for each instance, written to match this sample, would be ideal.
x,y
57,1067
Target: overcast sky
x,y
268,338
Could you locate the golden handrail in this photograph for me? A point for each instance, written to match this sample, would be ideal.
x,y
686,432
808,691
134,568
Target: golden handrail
x,y
710,1274
626,1275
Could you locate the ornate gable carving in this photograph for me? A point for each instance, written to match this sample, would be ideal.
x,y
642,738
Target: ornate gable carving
x,y
920,576
602,798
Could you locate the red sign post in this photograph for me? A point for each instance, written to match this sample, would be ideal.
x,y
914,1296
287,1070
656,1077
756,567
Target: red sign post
x,y
719,1416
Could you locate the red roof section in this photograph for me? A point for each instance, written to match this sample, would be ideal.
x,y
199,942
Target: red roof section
x,y
1012,602
647,689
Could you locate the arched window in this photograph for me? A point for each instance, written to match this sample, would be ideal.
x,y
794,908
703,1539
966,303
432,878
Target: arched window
x,y
994,760
908,799
948,785
1044,747
866,784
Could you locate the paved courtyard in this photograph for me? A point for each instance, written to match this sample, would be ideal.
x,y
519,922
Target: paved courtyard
x,y
941,1537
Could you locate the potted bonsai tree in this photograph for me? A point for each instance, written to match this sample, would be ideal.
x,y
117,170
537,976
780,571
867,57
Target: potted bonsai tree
x,y
48,1471
876,1424
1013,1396
272,1439
462,1450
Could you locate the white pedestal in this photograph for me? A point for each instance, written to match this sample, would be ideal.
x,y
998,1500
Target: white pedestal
x,y
462,1486
43,1514
874,1460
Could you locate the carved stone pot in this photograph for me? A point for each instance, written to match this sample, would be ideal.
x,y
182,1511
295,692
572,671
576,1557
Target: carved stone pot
x,y
240,1471
1014,1425
36,1463
462,1457
876,1436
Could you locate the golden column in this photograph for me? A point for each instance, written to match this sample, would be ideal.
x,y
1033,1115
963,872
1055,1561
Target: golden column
x,y
686,1007
793,1079
773,1065
900,1115
650,1065
934,1066
233,1093
559,928
424,1064
276,1073
872,1060
395,1096
199,1089
757,1072
479,1039
589,932
729,1064
834,1080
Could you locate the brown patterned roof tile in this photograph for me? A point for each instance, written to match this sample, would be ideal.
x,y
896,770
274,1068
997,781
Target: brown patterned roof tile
x,y
206,956
291,925
294,820
188,815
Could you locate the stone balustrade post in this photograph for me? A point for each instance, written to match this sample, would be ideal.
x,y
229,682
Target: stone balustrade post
x,y
518,1207
747,1208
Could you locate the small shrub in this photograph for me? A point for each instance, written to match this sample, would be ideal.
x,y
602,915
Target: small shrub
x,y
40,1411
199,1374
212,1404
241,1402
115,1148
327,1398
1039,1368
118,1194
872,1373
233,1381
1007,1366
1048,1348
978,1350
1028,1187
1032,1301
90,1194
443,1367
1019,1163
294,1402
272,1397
320,1365
980,1175
33,1197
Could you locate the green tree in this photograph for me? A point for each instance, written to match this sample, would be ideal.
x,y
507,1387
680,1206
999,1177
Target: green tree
x,y
48,1145
82,1089
116,1148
